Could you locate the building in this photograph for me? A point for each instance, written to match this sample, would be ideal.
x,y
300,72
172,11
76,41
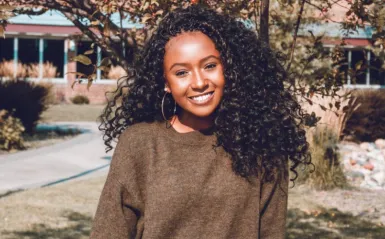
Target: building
x,y
51,37
357,45
357,51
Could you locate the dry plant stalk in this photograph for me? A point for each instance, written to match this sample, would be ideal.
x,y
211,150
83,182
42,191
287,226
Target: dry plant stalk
x,y
7,69
329,118
323,140
24,70
116,72
49,70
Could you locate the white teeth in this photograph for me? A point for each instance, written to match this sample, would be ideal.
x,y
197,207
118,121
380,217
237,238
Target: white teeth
x,y
202,97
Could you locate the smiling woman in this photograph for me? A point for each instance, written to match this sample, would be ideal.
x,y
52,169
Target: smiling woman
x,y
205,132
194,76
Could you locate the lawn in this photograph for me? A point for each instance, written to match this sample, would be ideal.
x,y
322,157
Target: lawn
x,y
69,112
66,211
57,113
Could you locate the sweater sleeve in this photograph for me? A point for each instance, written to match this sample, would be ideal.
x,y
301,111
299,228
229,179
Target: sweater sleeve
x,y
120,204
273,209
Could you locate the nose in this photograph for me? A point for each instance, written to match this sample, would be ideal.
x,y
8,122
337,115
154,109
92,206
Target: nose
x,y
199,81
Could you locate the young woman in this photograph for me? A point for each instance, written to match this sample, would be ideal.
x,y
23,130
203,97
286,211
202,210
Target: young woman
x,y
206,131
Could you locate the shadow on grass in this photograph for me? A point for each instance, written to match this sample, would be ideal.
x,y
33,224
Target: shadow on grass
x,y
330,224
79,227
322,223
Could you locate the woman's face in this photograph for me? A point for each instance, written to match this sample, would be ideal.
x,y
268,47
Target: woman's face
x,y
194,74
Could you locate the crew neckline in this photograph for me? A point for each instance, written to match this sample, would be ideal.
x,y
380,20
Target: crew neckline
x,y
196,137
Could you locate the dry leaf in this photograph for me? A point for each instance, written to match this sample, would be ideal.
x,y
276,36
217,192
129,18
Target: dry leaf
x,y
83,59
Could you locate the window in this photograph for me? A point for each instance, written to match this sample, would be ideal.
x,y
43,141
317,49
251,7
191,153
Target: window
x,y
359,58
54,54
28,51
377,74
359,64
6,49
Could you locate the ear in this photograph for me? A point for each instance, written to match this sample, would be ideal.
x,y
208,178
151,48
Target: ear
x,y
167,88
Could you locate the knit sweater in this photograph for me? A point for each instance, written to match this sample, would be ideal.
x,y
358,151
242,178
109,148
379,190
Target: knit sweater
x,y
164,184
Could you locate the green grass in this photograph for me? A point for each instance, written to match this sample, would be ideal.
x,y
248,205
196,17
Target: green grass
x,y
68,112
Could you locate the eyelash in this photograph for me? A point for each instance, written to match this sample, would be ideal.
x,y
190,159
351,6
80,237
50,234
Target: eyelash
x,y
211,66
183,73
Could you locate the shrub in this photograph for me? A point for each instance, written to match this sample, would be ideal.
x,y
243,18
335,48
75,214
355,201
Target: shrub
x,y
27,99
80,99
7,69
327,172
51,97
323,141
367,123
11,130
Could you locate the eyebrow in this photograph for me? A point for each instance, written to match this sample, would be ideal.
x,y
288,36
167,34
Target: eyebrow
x,y
204,59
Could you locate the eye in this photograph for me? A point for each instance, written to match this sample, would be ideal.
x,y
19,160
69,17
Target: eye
x,y
210,66
181,73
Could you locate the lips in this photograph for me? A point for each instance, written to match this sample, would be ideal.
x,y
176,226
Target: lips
x,y
201,99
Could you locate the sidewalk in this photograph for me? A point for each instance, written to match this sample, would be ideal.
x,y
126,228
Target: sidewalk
x,y
81,156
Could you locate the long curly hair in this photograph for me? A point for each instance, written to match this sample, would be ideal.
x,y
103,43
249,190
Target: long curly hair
x,y
259,123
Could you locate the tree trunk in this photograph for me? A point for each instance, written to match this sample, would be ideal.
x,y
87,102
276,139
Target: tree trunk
x,y
264,21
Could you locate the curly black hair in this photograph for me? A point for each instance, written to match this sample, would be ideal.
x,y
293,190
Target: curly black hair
x,y
258,122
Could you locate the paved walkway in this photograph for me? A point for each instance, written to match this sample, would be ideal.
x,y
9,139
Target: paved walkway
x,y
81,156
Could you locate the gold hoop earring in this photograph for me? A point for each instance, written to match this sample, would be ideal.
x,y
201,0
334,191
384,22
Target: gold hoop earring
x,y
162,106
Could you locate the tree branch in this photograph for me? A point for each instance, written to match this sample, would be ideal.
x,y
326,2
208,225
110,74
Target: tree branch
x,y
30,12
295,34
264,21
99,41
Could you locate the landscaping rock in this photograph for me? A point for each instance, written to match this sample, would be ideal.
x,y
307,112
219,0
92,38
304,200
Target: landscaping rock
x,y
364,163
380,143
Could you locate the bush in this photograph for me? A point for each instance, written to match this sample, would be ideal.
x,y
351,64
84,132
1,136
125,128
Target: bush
x,y
323,141
327,172
27,99
51,98
11,130
80,99
367,122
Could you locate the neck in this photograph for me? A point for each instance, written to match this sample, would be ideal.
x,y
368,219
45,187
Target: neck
x,y
184,123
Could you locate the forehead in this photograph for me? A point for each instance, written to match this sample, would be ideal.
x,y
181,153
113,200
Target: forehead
x,y
189,40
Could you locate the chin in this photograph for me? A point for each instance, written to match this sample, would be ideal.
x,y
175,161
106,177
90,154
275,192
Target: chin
x,y
202,114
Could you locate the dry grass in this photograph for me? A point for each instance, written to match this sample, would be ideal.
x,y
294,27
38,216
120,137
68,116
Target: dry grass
x,y
329,118
323,140
61,211
27,70
49,70
116,72
64,112
65,211
7,69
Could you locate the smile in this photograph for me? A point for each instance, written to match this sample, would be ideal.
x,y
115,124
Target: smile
x,y
202,99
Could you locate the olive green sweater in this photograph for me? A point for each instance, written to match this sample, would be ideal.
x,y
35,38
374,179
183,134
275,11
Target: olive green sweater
x,y
163,184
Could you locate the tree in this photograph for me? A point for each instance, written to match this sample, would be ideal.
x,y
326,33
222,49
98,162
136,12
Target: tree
x,y
312,70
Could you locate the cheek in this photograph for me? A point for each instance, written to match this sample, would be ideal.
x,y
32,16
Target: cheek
x,y
220,76
178,86
219,79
